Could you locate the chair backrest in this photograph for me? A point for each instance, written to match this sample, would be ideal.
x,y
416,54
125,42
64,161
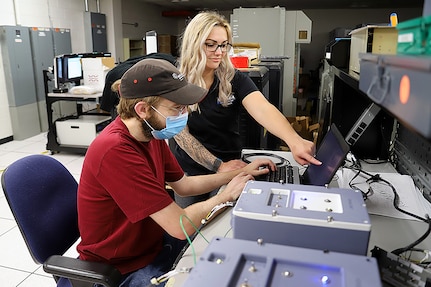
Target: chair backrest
x,y
41,194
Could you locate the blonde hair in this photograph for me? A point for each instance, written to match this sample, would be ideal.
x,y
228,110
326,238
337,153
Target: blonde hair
x,y
126,107
193,58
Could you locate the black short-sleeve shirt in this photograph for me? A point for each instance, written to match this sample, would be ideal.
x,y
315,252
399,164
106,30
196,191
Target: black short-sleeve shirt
x,y
216,126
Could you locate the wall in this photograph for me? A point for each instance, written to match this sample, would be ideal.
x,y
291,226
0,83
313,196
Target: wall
x,y
148,17
54,14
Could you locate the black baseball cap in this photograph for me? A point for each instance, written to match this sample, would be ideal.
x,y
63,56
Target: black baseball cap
x,y
158,77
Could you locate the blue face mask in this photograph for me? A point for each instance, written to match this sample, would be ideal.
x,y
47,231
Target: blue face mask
x,y
174,124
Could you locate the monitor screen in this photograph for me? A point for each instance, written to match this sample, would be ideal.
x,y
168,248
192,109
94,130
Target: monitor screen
x,y
67,69
74,68
331,153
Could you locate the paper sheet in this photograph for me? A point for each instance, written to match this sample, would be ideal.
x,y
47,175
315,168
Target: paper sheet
x,y
381,200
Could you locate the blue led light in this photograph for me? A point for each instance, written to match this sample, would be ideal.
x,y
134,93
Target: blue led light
x,y
325,280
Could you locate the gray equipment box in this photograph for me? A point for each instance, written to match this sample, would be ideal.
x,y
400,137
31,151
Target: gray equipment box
x,y
306,216
81,131
235,262
400,84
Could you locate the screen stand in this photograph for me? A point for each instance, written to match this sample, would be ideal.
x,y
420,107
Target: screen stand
x,y
362,123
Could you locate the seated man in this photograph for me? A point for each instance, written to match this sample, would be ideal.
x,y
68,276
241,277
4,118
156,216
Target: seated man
x,y
125,215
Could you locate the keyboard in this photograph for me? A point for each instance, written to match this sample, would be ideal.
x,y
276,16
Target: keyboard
x,y
283,174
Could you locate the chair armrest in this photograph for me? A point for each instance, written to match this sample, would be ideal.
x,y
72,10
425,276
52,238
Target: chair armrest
x,y
83,271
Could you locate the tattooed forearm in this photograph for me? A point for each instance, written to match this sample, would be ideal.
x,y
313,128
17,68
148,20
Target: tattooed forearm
x,y
196,150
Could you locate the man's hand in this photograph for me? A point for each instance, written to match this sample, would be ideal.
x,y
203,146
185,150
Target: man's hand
x,y
259,166
236,185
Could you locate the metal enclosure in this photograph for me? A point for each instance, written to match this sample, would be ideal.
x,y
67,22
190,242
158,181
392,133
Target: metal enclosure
x,y
235,262
20,84
95,32
42,47
62,41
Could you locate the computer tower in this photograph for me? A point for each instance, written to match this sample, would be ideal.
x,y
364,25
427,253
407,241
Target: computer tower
x,y
275,97
338,52
253,135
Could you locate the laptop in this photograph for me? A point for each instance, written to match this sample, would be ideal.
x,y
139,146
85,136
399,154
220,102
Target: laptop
x,y
331,152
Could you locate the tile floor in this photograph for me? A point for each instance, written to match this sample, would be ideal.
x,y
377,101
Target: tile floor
x,y
17,268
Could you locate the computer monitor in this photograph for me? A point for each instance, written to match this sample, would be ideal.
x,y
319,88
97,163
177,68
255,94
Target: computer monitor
x,y
67,69
58,71
331,153
72,68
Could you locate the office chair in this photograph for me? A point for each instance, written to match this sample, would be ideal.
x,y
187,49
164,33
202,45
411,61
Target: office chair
x,y
41,194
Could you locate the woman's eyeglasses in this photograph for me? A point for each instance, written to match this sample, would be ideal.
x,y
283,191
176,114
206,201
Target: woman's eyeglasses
x,y
212,47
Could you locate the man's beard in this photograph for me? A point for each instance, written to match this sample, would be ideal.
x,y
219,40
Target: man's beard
x,y
146,130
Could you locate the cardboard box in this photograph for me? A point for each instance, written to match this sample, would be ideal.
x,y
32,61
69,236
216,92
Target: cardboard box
x,y
371,39
95,70
250,50
167,44
303,126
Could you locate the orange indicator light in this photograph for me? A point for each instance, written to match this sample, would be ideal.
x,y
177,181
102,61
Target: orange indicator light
x,y
404,89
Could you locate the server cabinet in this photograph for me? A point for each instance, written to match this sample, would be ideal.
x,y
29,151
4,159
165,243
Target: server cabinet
x,y
253,135
95,32
42,47
20,84
62,41
275,97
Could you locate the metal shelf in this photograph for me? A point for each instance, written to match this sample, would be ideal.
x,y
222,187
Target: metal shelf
x,y
400,84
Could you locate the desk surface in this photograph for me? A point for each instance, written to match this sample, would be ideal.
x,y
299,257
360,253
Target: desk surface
x,y
79,96
386,233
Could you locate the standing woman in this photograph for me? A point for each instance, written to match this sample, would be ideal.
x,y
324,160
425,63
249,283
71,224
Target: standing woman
x,y
211,141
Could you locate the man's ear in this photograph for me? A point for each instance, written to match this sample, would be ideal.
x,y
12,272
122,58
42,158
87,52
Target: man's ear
x,y
142,109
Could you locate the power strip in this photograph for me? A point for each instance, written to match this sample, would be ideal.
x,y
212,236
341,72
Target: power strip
x,y
399,272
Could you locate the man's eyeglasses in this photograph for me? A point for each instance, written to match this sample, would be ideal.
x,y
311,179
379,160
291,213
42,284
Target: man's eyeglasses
x,y
212,47
179,110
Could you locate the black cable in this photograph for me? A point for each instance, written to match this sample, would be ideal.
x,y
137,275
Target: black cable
x,y
397,199
378,178
283,161
365,195
410,246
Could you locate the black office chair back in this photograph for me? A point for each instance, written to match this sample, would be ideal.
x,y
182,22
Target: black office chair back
x,y
41,193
